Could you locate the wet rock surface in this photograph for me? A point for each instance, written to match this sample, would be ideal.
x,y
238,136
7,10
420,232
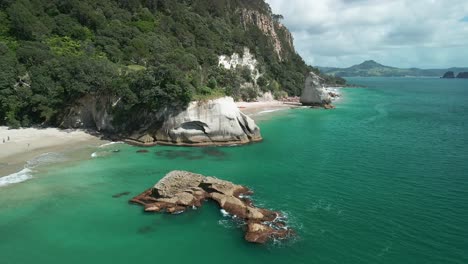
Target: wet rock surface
x,y
182,190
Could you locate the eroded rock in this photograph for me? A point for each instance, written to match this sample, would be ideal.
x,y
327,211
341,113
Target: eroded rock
x,y
181,190
314,93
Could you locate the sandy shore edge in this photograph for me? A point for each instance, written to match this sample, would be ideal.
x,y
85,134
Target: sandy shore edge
x,y
257,109
18,146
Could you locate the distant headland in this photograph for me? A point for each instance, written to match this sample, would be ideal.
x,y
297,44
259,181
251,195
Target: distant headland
x,y
372,68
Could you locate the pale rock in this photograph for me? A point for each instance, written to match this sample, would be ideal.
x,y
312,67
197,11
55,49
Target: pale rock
x,y
215,122
314,92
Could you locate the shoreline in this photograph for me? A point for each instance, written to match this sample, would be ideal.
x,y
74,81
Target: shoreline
x,y
26,144
255,110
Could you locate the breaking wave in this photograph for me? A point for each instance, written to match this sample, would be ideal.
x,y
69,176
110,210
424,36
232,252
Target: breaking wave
x,y
26,173
269,111
17,177
110,144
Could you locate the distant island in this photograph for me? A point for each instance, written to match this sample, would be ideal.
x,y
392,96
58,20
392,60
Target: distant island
x,y
451,75
372,68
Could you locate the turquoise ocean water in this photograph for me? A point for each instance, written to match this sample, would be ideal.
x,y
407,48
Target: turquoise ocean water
x,y
381,179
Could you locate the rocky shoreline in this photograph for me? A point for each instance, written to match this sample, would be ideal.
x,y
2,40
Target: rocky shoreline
x,y
179,191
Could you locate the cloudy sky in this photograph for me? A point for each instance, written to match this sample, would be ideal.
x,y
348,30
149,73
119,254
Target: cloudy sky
x,y
401,33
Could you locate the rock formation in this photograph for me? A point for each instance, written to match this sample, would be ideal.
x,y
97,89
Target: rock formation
x,y
247,60
462,75
448,75
91,112
270,27
215,122
314,93
179,191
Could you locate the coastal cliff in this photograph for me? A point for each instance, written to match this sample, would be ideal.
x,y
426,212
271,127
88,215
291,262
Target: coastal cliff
x,y
129,67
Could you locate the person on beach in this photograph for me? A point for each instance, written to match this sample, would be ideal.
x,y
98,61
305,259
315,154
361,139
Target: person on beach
x,y
3,140
8,138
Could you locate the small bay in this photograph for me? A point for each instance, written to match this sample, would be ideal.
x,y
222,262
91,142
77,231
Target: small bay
x,y
381,179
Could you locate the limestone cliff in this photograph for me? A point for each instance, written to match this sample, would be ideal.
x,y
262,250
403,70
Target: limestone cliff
x,y
247,60
280,36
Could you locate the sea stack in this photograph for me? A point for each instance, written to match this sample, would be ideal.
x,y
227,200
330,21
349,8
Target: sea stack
x,y
314,94
462,75
179,191
449,75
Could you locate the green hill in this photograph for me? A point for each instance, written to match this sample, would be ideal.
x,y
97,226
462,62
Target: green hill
x,y
147,53
371,68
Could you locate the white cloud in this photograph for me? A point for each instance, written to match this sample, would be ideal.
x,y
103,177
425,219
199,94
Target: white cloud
x,y
403,33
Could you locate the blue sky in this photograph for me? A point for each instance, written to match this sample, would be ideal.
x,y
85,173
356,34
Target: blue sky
x,y
401,33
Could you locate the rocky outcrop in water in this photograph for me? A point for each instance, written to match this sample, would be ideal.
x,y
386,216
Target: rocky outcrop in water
x,y
314,94
179,191
462,75
448,75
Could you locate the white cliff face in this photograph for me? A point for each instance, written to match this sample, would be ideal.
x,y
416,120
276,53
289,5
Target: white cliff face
x,y
231,62
235,60
314,93
206,123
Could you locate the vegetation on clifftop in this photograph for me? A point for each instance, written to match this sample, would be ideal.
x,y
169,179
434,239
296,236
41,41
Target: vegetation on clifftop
x,y
149,53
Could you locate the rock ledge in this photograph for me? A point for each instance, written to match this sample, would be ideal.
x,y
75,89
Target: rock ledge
x,y
181,190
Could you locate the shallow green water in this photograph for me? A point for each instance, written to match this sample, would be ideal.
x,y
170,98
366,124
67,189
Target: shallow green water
x,y
381,179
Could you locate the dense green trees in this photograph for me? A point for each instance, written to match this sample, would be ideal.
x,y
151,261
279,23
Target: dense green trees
x,y
149,53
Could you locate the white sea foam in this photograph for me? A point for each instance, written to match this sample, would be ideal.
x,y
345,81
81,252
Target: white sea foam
x,y
94,155
26,173
46,158
269,111
110,144
17,177
225,214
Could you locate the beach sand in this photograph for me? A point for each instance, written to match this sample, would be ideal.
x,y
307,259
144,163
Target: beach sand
x,y
22,145
256,109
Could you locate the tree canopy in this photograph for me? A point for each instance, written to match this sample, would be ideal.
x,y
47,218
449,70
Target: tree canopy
x,y
150,53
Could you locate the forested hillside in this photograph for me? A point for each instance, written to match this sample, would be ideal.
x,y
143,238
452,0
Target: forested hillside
x,y
146,53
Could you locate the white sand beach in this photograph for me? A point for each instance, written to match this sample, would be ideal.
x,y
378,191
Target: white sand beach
x,y
253,109
17,146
